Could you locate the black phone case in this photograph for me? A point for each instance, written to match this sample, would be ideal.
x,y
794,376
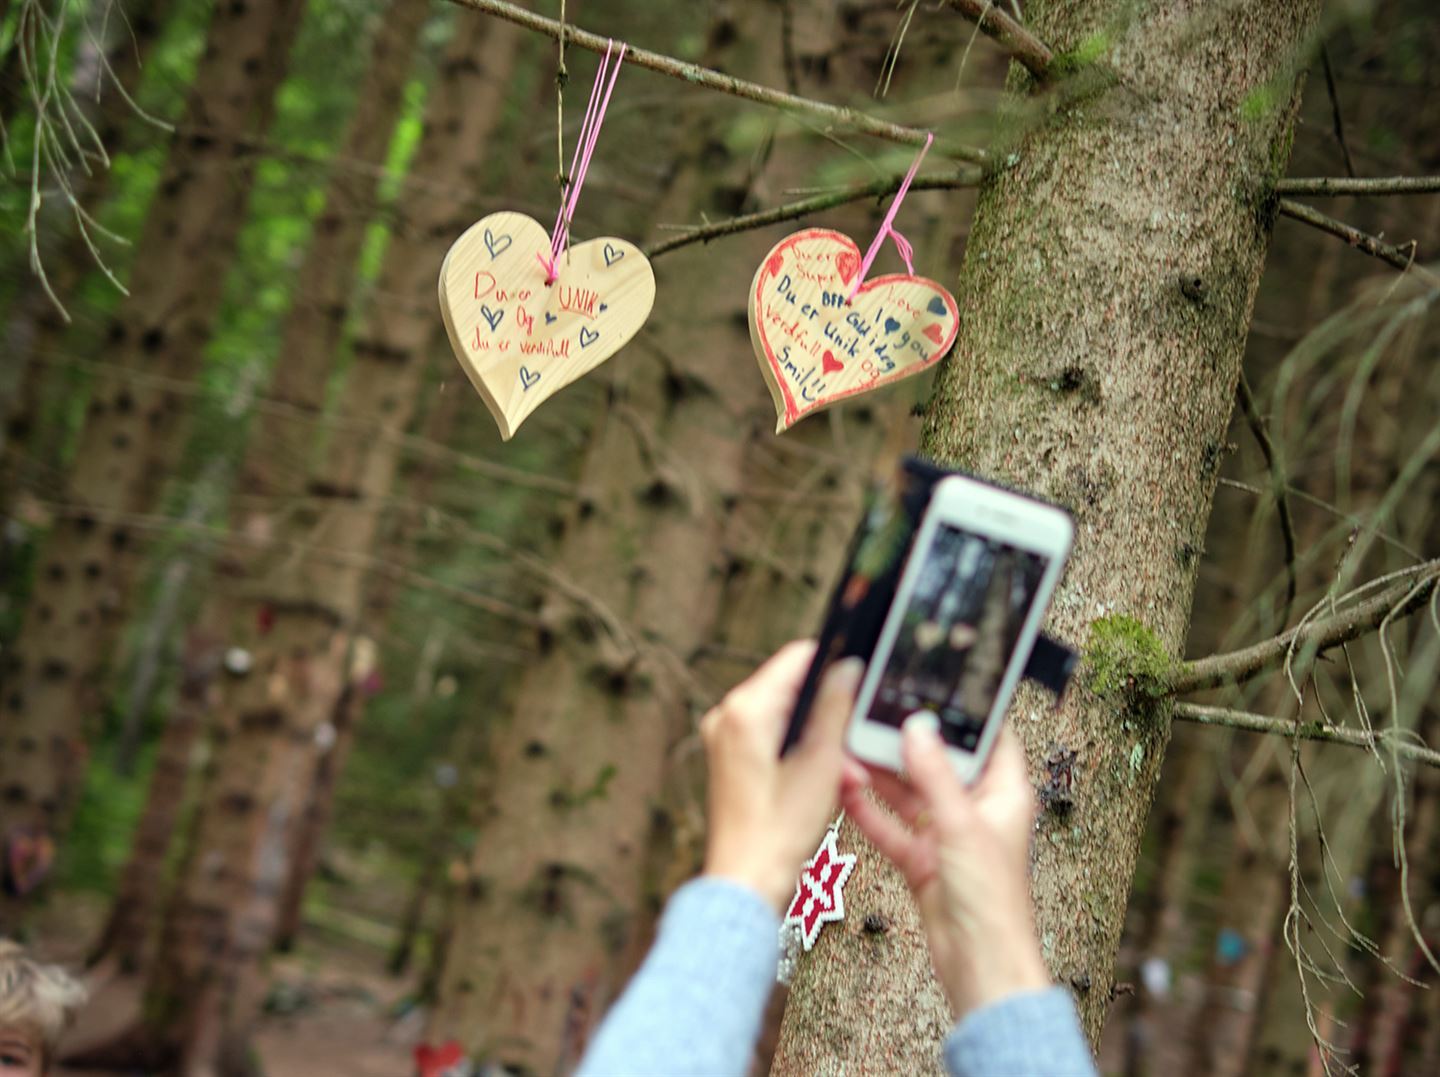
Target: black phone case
x,y
863,595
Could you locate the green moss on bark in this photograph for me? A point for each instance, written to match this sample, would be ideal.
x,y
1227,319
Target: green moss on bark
x,y
1125,660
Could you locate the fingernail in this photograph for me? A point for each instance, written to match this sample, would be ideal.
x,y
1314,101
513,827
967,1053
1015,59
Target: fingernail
x,y
924,724
847,673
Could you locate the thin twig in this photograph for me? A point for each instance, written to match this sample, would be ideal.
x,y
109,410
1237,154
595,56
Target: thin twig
x,y
1337,119
1023,46
844,118
1400,599
964,177
1260,723
1402,258
1277,486
1340,185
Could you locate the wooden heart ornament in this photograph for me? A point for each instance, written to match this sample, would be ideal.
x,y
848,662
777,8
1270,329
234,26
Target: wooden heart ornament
x,y
815,349
521,340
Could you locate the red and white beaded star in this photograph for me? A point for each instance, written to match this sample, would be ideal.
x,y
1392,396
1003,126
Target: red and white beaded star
x,y
819,897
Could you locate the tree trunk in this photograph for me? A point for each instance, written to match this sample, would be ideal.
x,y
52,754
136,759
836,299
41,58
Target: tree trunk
x,y
555,889
1072,278
134,428
295,618
309,338
34,329
140,893
1252,901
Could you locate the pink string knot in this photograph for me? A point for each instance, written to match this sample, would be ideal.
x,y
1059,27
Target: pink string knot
x,y
887,226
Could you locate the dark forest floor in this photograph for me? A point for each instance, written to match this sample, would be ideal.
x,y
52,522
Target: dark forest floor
x,y
331,1008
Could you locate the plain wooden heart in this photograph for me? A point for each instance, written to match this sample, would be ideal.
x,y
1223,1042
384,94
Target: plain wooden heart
x,y
520,340
815,349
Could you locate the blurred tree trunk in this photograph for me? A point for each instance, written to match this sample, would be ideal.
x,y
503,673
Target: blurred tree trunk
x,y
128,932
34,329
350,708
555,887
1253,897
135,427
1071,279
293,604
1384,1021
277,445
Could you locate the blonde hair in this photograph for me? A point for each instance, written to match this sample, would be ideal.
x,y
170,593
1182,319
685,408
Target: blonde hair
x,y
38,998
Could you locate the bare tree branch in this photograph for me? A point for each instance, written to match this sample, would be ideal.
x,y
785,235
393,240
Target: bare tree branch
x,y
1023,46
842,118
1277,486
1339,185
1402,258
964,177
1337,119
1259,723
1402,598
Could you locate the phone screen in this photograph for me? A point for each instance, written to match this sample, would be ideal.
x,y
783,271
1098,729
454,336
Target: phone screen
x,y
958,633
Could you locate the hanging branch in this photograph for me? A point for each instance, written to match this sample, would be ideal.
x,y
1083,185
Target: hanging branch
x,y
1402,258
1023,46
886,185
1336,118
1259,723
1408,594
1277,486
842,118
1339,185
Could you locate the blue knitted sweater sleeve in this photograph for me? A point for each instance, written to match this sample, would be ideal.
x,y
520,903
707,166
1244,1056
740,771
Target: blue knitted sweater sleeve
x,y
696,1004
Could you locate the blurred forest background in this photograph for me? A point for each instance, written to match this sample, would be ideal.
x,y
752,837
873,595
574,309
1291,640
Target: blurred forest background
x,y
329,717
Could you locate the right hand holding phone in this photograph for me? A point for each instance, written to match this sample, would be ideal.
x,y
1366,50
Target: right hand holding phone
x,y
966,857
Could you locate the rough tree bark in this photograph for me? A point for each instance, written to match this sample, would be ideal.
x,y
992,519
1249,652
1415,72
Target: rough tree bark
x,y
134,428
555,888
34,328
293,614
268,471
1105,295
139,895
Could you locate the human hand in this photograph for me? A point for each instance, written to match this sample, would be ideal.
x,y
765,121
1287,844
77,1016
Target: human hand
x,y
766,813
966,859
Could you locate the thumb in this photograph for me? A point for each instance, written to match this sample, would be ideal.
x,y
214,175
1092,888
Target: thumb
x,y
833,704
931,774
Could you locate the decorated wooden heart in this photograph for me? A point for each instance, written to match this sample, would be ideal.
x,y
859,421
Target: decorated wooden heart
x,y
521,340
815,349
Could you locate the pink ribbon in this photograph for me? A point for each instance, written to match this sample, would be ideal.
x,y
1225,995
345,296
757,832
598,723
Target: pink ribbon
x,y
887,226
580,163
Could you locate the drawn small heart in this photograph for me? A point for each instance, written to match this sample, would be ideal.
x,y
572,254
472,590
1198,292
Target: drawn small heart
x,y
528,377
775,263
933,332
588,336
551,318
891,325
830,364
613,254
936,306
496,245
848,263
492,317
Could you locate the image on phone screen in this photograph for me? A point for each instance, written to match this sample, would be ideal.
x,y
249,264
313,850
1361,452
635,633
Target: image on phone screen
x,y
958,633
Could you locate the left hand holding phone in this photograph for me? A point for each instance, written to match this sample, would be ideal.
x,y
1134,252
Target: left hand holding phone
x,y
766,813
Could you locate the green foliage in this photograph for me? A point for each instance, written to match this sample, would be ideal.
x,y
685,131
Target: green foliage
x,y
1124,659
98,843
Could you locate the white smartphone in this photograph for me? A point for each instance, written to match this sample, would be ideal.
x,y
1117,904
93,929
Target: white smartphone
x,y
969,604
